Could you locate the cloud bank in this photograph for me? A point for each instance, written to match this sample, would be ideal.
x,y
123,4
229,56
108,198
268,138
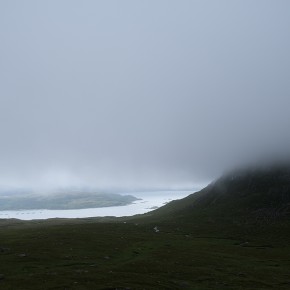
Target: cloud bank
x,y
124,94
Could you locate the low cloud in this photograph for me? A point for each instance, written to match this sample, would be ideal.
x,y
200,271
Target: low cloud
x,y
127,95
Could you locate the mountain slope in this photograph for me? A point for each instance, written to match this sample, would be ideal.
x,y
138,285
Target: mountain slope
x,y
205,241
260,193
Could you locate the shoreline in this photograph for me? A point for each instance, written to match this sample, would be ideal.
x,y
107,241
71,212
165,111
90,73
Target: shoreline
x,y
147,201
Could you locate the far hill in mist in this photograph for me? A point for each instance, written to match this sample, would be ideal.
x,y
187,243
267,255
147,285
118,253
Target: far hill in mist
x,y
73,200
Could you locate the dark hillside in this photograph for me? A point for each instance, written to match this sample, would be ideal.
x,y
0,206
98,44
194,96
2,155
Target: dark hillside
x,y
262,193
234,234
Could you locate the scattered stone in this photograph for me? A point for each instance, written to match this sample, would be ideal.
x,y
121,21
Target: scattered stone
x,y
156,229
107,257
23,255
245,244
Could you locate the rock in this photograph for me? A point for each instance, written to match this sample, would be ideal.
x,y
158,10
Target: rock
x,y
1,276
245,244
23,255
156,229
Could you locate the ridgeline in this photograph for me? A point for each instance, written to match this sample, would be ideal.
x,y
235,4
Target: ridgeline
x,y
255,194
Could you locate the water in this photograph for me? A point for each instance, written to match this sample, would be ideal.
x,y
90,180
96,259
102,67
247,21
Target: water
x,y
149,201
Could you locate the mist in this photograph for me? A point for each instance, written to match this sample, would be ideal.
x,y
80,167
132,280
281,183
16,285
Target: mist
x,y
134,95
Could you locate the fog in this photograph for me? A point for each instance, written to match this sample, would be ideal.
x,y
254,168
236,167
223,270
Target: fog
x,y
140,94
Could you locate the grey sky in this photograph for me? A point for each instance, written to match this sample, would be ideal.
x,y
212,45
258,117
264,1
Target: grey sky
x,y
140,93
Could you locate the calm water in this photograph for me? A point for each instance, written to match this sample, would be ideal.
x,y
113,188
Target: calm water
x,y
149,201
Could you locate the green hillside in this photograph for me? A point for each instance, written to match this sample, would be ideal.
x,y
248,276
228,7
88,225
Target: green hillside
x,y
234,234
253,194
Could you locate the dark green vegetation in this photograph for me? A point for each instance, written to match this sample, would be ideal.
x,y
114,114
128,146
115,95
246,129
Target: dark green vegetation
x,y
234,234
76,200
256,195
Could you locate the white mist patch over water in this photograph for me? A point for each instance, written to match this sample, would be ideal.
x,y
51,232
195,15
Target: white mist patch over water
x,y
148,202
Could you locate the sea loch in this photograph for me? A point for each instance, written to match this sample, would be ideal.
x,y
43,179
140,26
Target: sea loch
x,y
148,201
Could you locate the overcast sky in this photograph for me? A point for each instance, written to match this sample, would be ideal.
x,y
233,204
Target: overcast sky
x,y
140,93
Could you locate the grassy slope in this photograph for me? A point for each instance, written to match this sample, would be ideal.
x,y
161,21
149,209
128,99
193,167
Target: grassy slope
x,y
88,255
199,246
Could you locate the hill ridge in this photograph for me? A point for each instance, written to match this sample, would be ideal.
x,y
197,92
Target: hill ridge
x,y
255,192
